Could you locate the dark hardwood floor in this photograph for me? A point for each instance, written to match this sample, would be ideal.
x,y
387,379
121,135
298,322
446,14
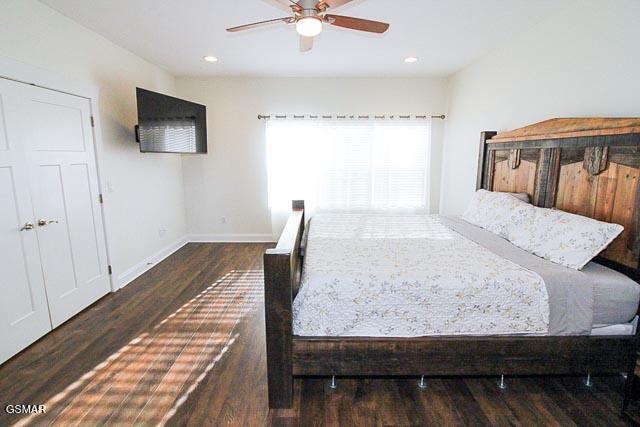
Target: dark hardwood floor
x,y
184,345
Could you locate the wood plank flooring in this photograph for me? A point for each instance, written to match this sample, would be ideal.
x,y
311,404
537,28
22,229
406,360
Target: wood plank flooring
x,y
184,345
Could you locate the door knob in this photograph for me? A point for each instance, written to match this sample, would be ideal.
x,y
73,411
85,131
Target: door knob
x,y
43,222
27,226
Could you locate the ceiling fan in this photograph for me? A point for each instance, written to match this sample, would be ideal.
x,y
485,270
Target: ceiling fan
x,y
309,15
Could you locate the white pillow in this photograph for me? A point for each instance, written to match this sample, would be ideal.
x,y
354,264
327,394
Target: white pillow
x,y
492,211
561,237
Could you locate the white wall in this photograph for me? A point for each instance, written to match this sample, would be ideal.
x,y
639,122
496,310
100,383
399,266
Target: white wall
x,y
146,190
231,180
584,61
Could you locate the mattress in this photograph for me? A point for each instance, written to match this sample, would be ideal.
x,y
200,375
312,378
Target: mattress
x,y
418,275
615,296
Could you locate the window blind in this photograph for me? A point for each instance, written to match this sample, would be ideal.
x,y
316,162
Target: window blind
x,y
348,165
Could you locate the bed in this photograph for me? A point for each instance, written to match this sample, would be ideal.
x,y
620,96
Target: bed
x,y
381,275
409,295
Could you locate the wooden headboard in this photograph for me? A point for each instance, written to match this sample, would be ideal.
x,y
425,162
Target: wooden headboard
x,y
587,166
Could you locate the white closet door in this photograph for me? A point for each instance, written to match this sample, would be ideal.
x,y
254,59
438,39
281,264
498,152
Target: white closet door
x,y
24,316
64,186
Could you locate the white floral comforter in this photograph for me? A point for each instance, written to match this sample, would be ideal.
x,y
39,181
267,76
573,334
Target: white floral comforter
x,y
408,276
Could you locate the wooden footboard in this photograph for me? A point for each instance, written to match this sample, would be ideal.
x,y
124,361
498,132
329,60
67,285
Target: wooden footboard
x,y
282,269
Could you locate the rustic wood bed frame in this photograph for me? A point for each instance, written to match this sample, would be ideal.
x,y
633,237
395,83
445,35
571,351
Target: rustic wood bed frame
x,y
585,166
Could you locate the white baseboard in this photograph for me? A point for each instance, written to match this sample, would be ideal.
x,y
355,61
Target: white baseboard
x,y
137,270
230,238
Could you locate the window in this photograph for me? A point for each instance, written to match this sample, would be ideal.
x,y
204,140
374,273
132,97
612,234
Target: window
x,y
348,165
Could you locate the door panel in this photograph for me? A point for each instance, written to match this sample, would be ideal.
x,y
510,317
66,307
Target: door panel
x,y
84,233
64,183
56,127
14,268
24,316
55,247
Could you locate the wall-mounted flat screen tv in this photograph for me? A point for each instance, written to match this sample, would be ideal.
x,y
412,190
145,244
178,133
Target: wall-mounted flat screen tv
x,y
170,125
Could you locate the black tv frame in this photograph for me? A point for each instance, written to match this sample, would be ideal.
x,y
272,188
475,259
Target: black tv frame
x,y
172,104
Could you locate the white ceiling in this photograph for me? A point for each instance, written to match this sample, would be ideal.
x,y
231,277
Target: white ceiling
x,y
445,35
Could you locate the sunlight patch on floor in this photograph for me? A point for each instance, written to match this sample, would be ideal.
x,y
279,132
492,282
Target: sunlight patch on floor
x,y
147,380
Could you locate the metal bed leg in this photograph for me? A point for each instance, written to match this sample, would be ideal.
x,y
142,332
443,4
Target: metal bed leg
x,y
588,381
628,387
502,384
333,384
422,383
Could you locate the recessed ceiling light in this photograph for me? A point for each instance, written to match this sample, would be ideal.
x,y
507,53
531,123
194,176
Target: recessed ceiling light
x,y
411,60
210,58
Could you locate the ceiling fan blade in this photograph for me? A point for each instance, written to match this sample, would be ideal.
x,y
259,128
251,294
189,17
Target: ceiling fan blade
x,y
357,23
323,4
306,44
285,4
259,24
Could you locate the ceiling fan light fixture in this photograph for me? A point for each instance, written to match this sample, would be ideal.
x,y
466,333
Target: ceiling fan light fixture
x,y
310,17
309,26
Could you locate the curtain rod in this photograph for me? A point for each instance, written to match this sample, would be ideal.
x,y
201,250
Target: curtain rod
x,y
349,116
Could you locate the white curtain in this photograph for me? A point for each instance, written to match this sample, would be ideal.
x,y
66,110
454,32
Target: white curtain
x,y
347,165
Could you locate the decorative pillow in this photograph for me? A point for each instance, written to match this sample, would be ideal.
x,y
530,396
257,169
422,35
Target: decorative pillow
x,y
492,211
561,237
